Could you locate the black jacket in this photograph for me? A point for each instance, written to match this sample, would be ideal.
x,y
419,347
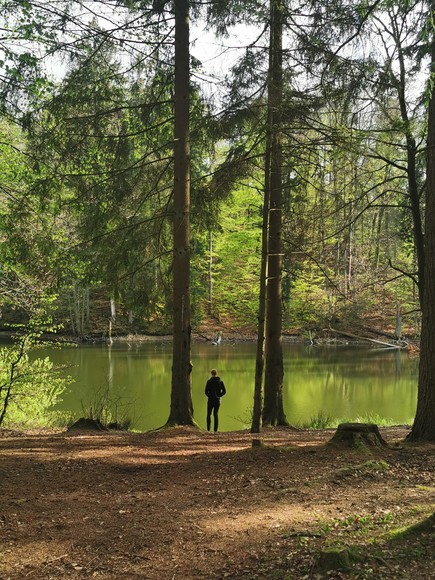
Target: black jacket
x,y
215,388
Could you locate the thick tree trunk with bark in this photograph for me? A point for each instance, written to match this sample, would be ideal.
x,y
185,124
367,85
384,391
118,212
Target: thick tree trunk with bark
x,y
181,412
424,422
273,410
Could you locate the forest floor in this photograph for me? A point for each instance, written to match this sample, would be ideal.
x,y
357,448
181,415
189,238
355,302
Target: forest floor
x,y
182,504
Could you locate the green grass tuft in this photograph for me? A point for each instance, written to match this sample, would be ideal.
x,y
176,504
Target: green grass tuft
x,y
319,421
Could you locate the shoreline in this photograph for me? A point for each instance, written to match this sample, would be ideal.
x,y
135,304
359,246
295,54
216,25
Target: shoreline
x,y
322,338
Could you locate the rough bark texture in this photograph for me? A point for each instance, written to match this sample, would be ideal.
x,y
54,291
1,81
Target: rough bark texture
x,y
273,410
181,412
358,435
424,423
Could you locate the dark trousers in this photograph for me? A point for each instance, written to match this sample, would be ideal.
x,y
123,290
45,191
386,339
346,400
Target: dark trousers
x,y
213,405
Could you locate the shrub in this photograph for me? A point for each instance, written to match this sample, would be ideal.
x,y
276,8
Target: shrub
x,y
29,388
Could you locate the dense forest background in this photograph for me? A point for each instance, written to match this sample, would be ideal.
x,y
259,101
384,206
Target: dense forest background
x,y
87,179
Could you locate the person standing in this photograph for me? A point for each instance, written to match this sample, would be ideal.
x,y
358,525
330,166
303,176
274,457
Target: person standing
x,y
214,389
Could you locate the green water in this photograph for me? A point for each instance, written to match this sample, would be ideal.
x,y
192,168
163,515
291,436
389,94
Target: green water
x,y
341,382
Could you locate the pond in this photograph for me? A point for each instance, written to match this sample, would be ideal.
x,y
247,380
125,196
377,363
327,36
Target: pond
x,y
343,382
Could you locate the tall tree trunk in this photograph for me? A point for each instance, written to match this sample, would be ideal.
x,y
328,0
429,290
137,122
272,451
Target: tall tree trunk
x,y
411,164
210,275
261,324
424,422
181,412
416,214
273,409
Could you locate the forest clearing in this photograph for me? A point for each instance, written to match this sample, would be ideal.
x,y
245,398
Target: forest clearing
x,y
181,503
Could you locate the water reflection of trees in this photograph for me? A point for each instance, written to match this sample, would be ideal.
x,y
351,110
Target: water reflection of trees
x,y
342,382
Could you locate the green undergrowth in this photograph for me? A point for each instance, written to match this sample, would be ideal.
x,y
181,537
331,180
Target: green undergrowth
x,y
357,525
31,386
383,537
368,467
421,529
324,421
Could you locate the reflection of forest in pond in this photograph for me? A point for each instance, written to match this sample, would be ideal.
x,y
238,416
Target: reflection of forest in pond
x,y
342,382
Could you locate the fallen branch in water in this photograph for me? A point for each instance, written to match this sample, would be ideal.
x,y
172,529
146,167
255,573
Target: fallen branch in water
x,y
350,335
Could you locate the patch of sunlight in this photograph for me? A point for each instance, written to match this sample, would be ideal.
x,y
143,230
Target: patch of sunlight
x,y
260,520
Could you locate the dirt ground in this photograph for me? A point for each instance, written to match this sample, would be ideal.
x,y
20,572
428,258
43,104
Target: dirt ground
x,y
182,504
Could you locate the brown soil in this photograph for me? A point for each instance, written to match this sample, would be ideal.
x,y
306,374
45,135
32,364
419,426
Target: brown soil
x,y
183,504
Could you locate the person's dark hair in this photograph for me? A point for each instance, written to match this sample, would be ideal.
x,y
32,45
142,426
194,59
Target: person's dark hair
x,y
213,372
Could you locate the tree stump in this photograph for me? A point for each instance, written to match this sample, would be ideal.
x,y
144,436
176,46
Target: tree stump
x,y
358,436
84,424
330,559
